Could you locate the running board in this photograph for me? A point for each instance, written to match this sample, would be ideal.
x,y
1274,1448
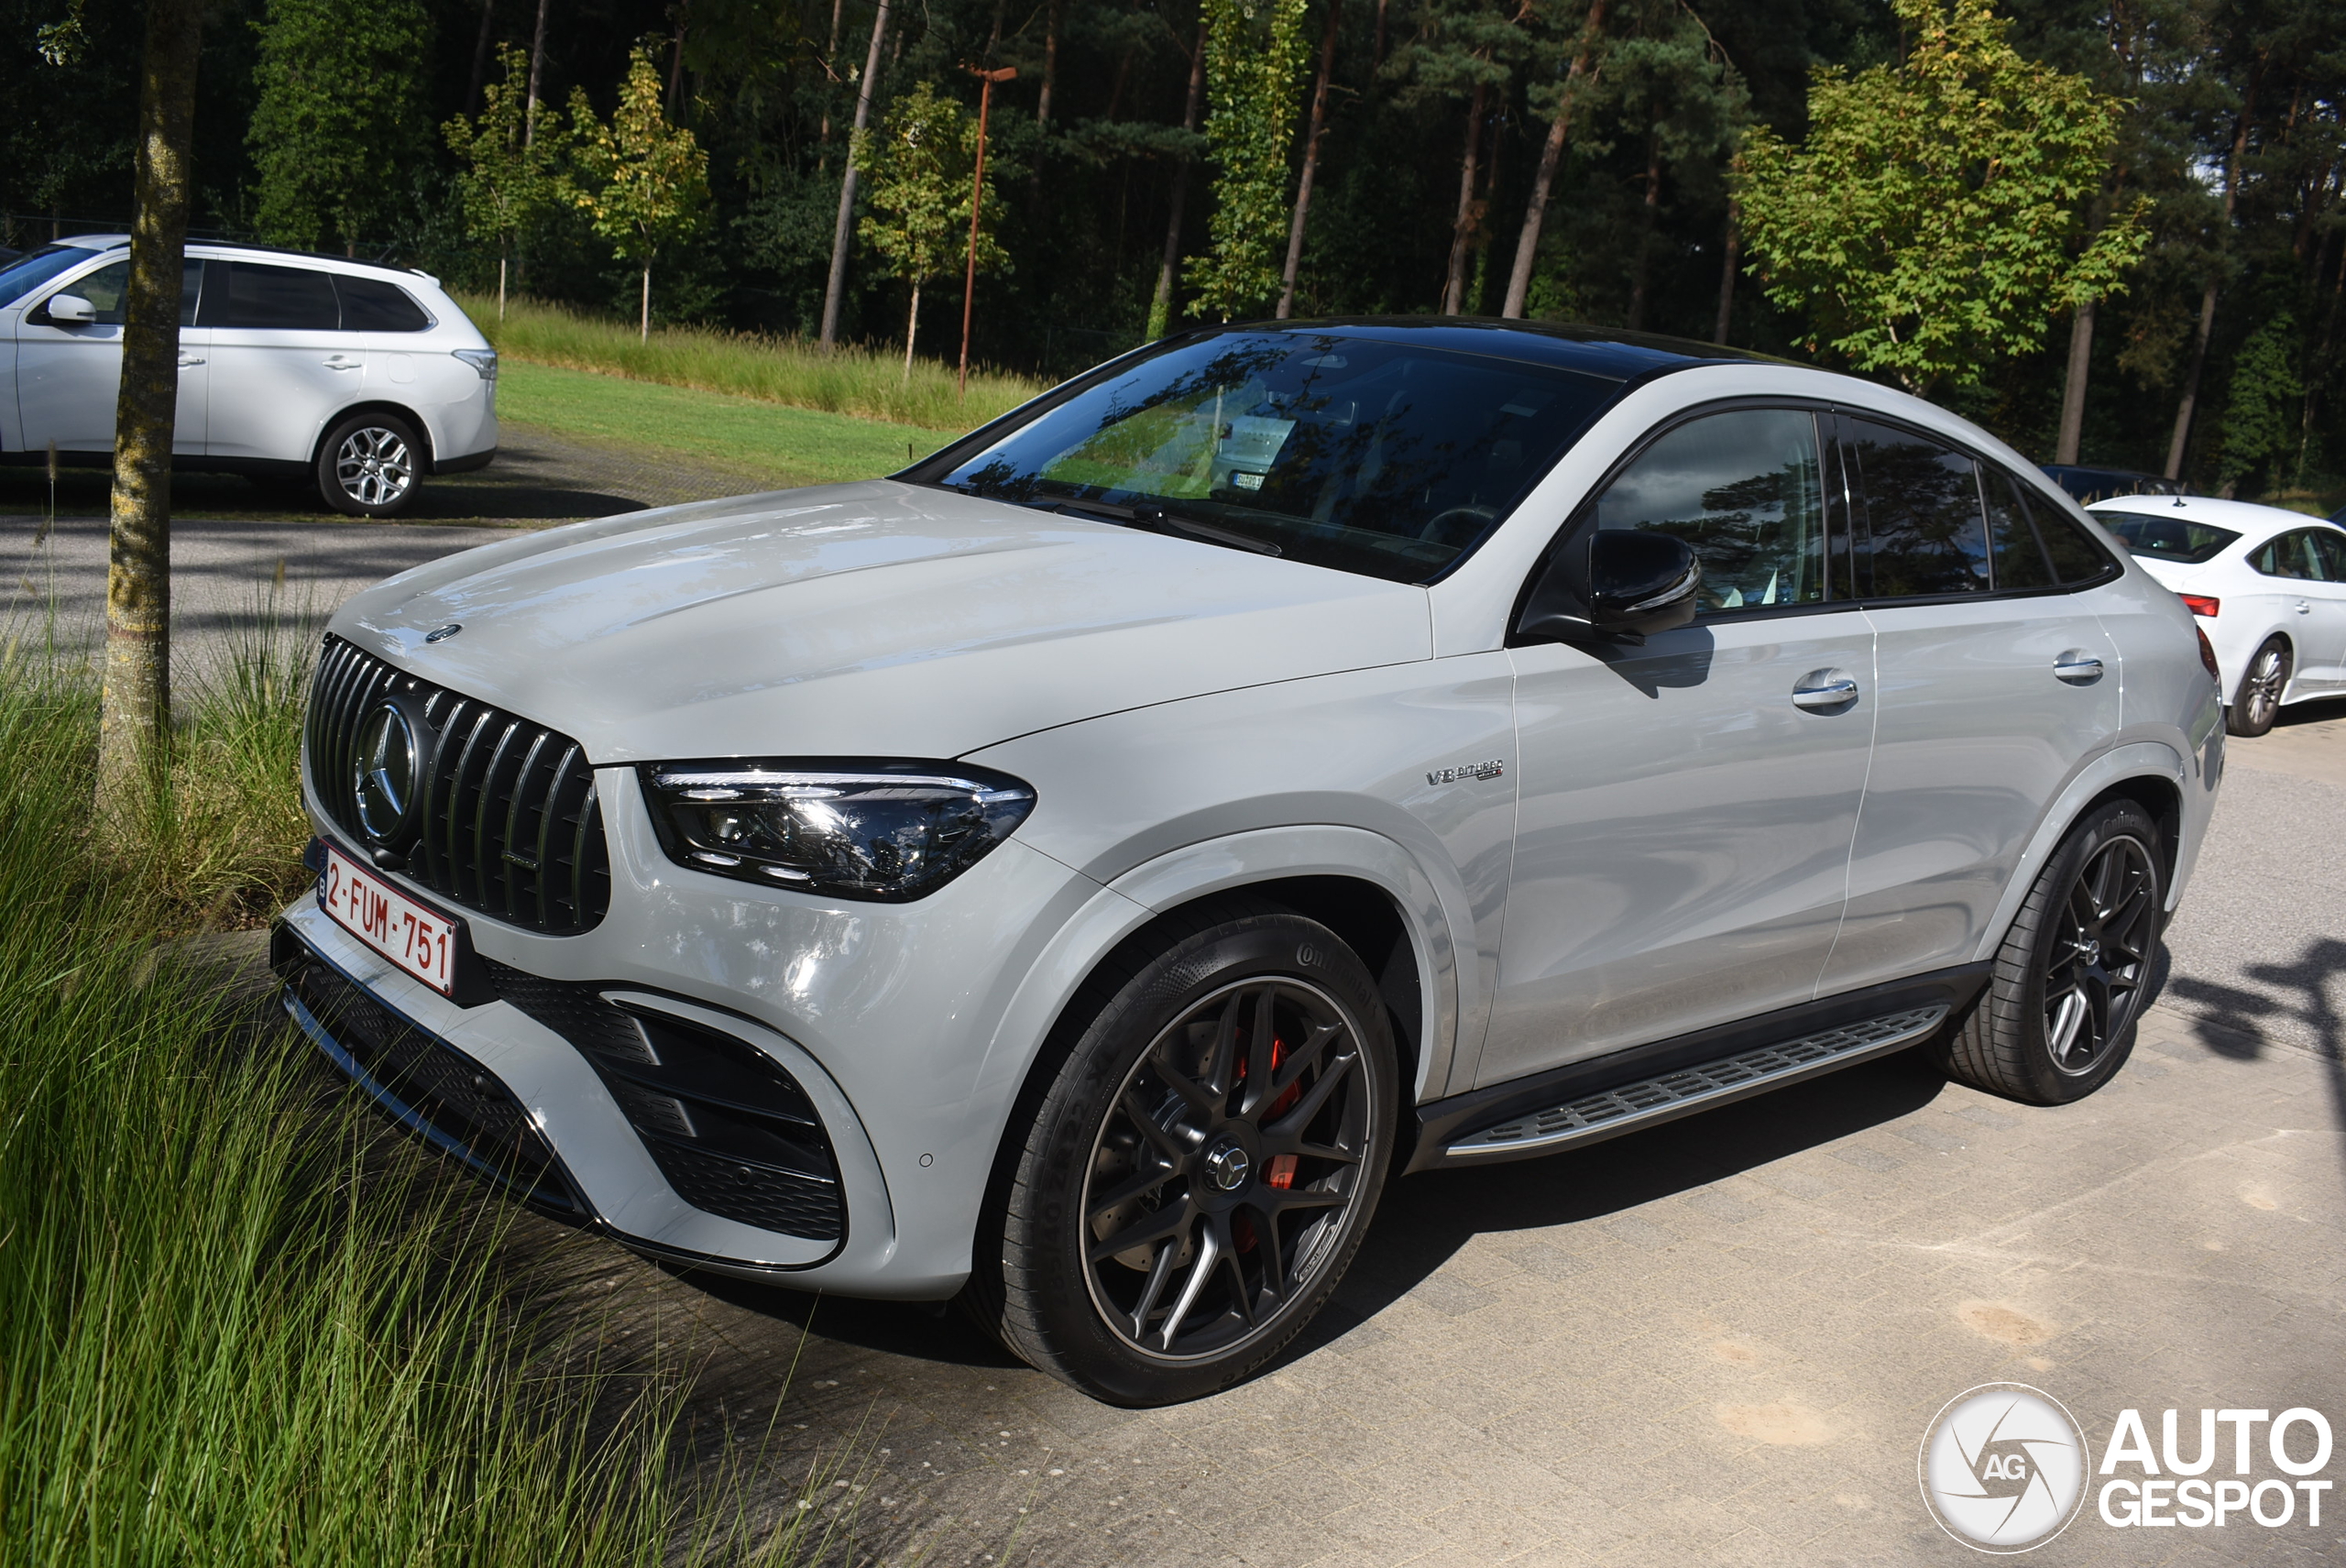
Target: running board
x,y
1669,1095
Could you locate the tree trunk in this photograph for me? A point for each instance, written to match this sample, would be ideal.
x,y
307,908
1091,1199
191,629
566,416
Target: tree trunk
x,y
644,326
500,285
912,329
1732,252
2073,389
1552,152
2187,406
1376,52
537,66
835,286
1462,227
1050,65
480,56
1641,264
677,61
1160,307
828,56
1310,162
134,733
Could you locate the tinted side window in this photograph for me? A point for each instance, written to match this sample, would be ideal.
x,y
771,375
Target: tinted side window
x,y
1924,534
106,287
369,304
2076,557
253,294
2331,549
2290,555
2020,561
1742,489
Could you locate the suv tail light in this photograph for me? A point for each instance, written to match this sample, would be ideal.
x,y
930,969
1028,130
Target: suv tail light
x,y
2208,655
2201,604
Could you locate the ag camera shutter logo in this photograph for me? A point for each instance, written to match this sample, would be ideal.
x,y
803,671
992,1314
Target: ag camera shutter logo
x,y
2003,1467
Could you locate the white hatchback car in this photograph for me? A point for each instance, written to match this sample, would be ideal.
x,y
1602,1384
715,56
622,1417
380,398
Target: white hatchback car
x,y
2268,585
357,378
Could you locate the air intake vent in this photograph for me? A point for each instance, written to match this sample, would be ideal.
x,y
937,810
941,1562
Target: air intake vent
x,y
507,825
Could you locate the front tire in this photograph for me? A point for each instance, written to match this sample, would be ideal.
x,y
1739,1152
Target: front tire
x,y
370,465
1200,1173
2258,702
2057,1019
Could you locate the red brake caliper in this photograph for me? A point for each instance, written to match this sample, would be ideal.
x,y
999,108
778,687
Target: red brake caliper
x,y
1281,1171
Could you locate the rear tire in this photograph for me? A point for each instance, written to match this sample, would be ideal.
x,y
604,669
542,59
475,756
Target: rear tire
x,y
370,466
1228,1111
2057,1019
2257,704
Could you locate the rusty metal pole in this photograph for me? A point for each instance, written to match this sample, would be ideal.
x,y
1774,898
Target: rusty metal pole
x,y
977,196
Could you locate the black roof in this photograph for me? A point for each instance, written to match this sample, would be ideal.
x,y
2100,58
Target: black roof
x,y
1611,352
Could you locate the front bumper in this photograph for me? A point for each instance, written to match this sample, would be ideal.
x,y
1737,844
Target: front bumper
x,y
892,1018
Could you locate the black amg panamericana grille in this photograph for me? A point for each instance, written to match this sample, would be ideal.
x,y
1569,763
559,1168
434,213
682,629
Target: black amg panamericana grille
x,y
733,1133
442,1093
510,823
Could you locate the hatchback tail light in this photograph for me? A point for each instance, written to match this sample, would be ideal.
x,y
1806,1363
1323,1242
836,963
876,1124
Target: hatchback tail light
x,y
2208,655
2201,604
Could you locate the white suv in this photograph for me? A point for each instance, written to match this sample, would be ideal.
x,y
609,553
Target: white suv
x,y
360,379
1075,872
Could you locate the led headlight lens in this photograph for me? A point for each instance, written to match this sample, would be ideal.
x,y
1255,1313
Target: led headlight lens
x,y
884,830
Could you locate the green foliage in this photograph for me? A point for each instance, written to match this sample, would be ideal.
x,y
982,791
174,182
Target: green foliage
x,y
338,127
917,175
511,176
2261,415
1254,57
1924,227
643,183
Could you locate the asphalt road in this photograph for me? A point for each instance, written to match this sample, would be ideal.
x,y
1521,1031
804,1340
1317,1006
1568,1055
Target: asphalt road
x,y
1719,1340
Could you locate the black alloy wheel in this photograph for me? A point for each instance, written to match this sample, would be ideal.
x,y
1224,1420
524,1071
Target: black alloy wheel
x,y
2258,702
1200,1175
2057,1021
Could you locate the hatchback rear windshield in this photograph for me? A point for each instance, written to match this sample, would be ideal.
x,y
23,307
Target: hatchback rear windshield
x,y
1384,458
24,274
2155,537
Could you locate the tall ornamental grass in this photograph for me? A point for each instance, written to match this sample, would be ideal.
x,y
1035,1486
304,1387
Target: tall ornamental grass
x,y
846,380
239,1323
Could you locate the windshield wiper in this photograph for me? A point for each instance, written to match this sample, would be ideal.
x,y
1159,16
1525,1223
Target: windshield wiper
x,y
1164,522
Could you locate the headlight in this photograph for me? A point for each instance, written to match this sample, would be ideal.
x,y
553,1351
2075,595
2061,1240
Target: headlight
x,y
887,830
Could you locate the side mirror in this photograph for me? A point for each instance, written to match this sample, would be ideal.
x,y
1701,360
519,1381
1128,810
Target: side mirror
x,y
69,310
1633,585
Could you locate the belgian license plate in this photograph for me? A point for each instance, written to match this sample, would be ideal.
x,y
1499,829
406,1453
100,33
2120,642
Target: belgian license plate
x,y
417,939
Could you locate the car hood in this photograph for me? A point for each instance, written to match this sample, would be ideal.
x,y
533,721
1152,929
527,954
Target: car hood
x,y
877,619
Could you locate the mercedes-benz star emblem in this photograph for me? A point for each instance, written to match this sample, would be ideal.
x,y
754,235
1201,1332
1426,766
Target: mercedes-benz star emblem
x,y
388,771
442,633
1227,1168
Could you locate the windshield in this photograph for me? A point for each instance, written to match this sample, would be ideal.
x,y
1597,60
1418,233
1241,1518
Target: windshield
x,y
2157,536
1372,457
24,274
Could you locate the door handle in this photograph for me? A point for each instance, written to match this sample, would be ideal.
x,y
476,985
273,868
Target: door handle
x,y
2077,667
341,362
2304,609
188,359
1824,689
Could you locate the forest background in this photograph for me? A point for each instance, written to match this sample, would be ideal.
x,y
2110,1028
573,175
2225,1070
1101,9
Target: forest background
x,y
2231,145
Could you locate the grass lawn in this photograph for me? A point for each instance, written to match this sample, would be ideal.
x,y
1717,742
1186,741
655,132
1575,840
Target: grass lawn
x,y
771,441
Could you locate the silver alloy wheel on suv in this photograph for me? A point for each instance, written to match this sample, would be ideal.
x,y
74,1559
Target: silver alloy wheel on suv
x,y
368,467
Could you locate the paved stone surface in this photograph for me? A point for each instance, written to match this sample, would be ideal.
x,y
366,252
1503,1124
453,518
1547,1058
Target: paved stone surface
x,y
1718,1342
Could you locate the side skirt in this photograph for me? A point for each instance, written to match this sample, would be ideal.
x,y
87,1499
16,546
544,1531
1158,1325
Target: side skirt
x,y
1588,1102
